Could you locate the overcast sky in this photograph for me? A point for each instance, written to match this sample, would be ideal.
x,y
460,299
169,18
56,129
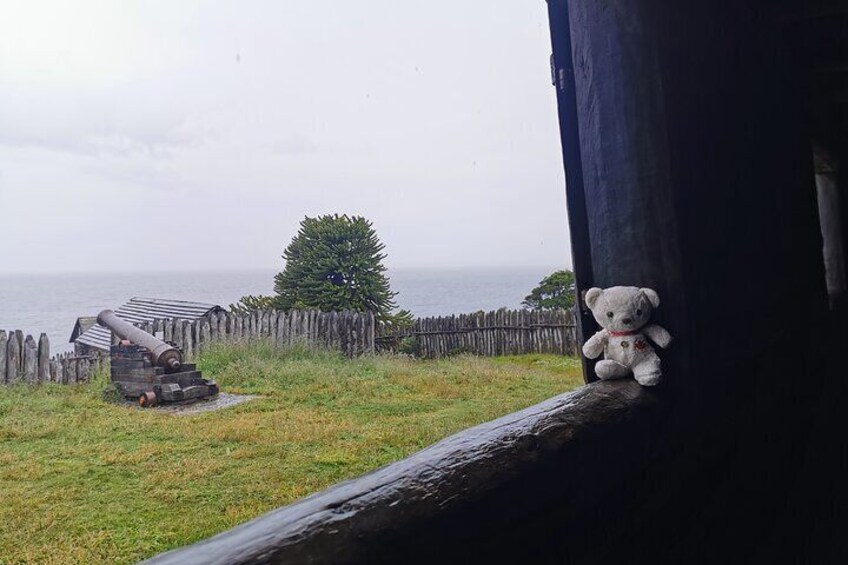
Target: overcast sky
x,y
196,135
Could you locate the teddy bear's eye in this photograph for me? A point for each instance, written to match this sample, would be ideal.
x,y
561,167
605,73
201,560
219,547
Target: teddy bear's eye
x,y
609,314
639,312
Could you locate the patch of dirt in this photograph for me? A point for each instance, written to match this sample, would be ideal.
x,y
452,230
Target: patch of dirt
x,y
218,402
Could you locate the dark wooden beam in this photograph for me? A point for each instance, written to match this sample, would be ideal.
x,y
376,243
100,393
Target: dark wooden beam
x,y
529,474
562,75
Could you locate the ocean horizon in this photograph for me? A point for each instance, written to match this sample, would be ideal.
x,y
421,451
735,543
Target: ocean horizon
x,y
51,303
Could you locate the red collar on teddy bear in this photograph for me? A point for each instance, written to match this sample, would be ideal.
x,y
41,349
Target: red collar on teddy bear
x,y
619,334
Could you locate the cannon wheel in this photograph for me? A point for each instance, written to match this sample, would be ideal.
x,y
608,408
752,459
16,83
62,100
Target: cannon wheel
x,y
148,399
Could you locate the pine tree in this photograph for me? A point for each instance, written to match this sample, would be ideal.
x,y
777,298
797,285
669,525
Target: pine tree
x,y
335,263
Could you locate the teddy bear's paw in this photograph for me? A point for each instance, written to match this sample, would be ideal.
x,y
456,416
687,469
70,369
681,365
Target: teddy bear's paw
x,y
648,379
607,369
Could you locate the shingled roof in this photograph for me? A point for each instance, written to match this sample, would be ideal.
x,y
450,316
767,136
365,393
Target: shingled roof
x,y
146,310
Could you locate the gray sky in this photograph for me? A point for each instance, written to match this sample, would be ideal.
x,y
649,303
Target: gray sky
x,y
196,135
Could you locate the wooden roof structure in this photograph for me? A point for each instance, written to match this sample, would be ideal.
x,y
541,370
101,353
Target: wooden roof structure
x,y
139,310
82,325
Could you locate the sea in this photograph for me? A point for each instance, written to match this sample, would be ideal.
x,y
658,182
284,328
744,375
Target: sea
x,y
52,303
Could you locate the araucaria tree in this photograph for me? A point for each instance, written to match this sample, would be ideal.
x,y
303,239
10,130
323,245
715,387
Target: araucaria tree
x,y
335,263
554,291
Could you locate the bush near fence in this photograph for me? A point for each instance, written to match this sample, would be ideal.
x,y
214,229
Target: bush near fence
x,y
501,332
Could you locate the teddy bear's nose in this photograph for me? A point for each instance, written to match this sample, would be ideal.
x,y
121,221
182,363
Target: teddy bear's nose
x,y
627,321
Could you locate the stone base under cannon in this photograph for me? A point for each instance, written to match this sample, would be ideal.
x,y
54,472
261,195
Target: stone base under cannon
x,y
134,377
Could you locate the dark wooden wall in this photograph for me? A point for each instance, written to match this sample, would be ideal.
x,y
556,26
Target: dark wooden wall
x,y
696,178
696,169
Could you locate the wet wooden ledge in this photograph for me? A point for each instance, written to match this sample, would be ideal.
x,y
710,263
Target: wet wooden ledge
x,y
464,493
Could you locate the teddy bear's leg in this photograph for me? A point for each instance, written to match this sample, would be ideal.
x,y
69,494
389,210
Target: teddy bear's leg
x,y
608,369
648,372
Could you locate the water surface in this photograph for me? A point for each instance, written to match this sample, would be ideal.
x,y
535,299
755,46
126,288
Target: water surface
x,y
52,303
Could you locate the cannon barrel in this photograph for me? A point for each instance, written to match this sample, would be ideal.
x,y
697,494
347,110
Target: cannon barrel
x,y
161,354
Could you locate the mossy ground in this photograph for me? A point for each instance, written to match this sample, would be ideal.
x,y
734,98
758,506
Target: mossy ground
x,y
86,481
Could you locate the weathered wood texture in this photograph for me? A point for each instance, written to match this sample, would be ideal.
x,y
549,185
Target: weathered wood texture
x,y
501,332
562,70
25,360
352,333
504,332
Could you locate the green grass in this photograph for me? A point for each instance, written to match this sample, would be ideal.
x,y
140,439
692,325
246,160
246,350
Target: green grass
x,y
85,481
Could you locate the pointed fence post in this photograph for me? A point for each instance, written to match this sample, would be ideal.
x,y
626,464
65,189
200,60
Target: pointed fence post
x,y
43,359
3,356
30,358
13,359
187,336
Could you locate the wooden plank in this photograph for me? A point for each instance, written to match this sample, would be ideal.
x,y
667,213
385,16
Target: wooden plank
x,y
354,333
289,328
176,333
30,361
43,370
71,370
3,344
238,327
230,326
262,326
212,322
205,333
222,326
257,325
371,328
188,331
83,370
334,330
20,335
349,333
282,330
272,327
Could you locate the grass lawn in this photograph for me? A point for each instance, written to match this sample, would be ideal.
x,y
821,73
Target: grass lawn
x,y
84,481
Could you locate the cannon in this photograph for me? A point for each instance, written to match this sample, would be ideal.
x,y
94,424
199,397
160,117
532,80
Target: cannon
x,y
149,370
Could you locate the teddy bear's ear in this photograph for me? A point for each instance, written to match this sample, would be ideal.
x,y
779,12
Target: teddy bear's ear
x,y
651,295
592,296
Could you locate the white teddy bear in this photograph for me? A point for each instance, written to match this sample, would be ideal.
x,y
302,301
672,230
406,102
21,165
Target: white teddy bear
x,y
623,312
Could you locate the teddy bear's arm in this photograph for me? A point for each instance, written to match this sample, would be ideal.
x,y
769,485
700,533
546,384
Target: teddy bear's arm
x,y
658,335
594,346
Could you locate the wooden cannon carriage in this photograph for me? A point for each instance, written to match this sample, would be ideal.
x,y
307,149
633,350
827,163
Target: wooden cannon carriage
x,y
150,370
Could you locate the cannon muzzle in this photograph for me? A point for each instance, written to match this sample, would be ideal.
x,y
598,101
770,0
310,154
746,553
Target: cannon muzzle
x,y
161,354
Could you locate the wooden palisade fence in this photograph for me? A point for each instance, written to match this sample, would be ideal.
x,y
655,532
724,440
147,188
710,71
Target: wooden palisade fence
x,y
502,332
25,360
352,333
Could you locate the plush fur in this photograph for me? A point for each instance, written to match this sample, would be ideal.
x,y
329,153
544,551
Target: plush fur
x,y
623,313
